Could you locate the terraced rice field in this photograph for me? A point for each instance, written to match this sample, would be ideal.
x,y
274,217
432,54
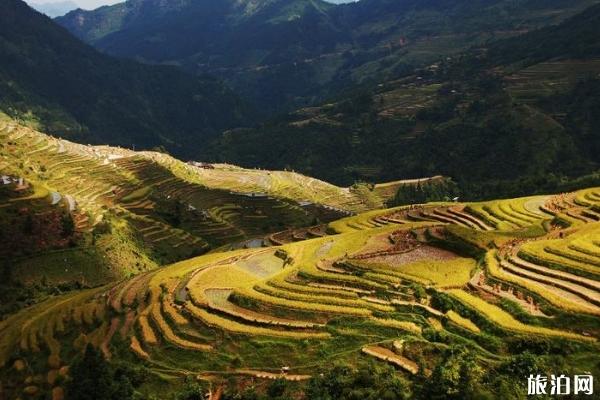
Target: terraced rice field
x,y
546,78
302,291
220,205
426,264
462,322
509,214
42,325
575,253
398,286
505,320
389,356
470,216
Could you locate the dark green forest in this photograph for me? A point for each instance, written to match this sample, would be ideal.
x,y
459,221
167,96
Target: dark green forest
x,y
51,79
465,119
475,129
282,54
459,376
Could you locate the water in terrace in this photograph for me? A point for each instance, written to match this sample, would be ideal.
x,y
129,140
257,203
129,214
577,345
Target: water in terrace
x,y
249,244
262,266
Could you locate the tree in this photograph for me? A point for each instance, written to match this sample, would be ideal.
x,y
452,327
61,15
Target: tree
x,y
68,226
508,379
122,388
277,388
92,378
522,364
418,291
369,382
191,391
457,376
424,192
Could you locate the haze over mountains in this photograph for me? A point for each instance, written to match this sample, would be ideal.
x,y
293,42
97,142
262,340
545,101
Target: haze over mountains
x,y
286,53
58,6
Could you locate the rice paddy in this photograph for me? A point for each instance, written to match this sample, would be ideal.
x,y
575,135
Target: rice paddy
x,y
360,286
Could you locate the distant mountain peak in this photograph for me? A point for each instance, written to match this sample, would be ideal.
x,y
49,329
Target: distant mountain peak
x,y
54,10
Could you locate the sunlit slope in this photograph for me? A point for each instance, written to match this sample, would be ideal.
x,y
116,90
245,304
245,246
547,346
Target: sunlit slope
x,y
46,157
78,216
486,275
287,185
133,210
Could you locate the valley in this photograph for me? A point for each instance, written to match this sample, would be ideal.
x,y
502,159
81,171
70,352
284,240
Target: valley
x,y
334,47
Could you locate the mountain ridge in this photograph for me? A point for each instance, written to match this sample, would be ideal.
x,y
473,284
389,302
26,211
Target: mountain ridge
x,y
541,84
296,51
54,10
65,86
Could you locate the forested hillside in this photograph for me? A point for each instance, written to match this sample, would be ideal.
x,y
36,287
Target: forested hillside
x,y
52,80
286,53
535,91
501,119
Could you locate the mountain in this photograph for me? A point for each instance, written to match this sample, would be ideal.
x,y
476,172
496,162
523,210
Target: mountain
x,y
54,9
132,275
378,305
285,53
127,212
52,80
575,38
537,92
243,40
